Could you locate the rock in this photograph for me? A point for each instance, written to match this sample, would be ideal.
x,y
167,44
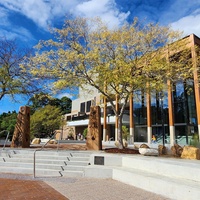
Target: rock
x,y
190,152
176,150
144,146
36,141
125,143
148,152
136,146
162,150
52,141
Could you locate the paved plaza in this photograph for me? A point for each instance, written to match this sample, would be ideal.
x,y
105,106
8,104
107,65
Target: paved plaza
x,y
21,187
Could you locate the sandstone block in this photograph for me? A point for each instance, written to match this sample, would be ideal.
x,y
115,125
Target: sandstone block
x,y
144,146
190,152
53,141
162,150
36,141
148,152
176,150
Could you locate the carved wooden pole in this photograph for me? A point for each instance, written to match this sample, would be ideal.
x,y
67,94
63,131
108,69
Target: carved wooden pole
x,y
21,136
94,138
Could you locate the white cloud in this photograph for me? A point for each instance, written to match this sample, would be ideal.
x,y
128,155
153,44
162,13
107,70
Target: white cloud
x,y
34,10
19,32
105,9
4,17
44,12
189,24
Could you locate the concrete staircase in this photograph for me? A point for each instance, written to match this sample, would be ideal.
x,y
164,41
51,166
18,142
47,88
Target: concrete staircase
x,y
173,178
47,162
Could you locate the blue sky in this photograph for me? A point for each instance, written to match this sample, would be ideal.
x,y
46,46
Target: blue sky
x,y
28,20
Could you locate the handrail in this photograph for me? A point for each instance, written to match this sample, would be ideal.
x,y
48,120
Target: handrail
x,y
34,154
8,133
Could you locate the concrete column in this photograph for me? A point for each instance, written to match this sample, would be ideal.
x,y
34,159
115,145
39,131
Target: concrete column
x,y
149,135
149,123
104,119
131,119
172,135
116,118
171,115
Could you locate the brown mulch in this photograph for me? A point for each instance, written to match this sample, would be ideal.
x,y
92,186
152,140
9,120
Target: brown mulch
x,y
83,147
125,151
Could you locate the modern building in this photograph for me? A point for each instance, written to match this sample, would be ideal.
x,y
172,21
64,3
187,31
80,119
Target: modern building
x,y
173,116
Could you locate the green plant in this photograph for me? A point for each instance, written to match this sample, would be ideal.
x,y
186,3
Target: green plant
x,y
85,132
195,140
125,132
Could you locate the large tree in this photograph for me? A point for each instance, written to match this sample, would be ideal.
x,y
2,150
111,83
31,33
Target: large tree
x,y
45,121
41,100
7,122
14,80
114,61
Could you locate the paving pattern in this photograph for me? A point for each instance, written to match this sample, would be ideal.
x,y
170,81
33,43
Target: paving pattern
x,y
12,189
22,187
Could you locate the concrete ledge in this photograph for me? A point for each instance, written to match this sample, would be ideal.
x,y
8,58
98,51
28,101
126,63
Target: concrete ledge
x,y
173,168
109,159
169,187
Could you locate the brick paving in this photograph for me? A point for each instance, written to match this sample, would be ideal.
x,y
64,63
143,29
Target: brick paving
x,y
22,187
12,189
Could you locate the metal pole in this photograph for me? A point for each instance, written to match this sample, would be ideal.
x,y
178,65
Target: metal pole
x,y
34,163
6,140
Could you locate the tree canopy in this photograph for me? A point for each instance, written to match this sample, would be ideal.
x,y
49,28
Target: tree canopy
x,y
45,121
13,79
7,122
132,57
41,100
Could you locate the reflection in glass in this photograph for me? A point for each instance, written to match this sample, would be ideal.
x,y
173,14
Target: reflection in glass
x,y
140,116
184,112
140,108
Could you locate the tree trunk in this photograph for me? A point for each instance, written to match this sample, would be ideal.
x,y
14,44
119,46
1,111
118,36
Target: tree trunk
x,y
120,138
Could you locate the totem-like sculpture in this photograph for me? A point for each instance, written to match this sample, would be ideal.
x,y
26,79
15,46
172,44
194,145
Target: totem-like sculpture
x,y
21,136
94,138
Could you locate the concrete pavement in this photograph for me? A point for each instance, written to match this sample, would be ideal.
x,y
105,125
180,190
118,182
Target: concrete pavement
x,y
21,187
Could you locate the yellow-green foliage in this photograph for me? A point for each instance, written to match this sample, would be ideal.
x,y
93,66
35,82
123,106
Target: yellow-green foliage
x,y
132,57
45,121
125,58
125,132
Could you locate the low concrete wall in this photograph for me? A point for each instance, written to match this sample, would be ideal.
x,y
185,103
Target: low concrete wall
x,y
102,165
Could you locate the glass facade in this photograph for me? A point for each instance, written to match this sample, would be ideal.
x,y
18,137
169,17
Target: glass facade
x,y
184,112
160,117
140,116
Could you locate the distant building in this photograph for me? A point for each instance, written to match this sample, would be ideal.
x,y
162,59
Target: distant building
x,y
174,114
